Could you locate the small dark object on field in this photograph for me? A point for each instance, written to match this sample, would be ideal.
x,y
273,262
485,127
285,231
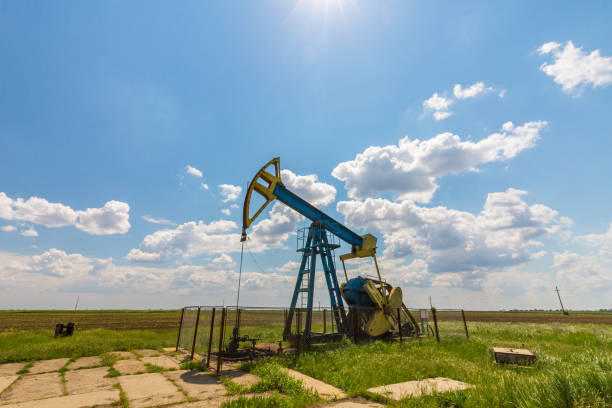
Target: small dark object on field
x,y
513,356
62,330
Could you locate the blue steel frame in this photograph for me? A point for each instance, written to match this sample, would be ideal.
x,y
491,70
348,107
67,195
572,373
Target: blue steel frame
x,y
317,244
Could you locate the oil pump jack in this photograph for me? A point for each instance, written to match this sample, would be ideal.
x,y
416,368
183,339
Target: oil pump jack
x,y
380,305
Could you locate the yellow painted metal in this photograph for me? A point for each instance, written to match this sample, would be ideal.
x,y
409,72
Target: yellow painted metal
x,y
263,183
367,248
395,298
377,324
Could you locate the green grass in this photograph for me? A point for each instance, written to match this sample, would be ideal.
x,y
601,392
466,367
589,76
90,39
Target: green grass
x,y
574,367
40,344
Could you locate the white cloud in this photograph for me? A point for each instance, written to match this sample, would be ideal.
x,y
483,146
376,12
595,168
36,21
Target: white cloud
x,y
226,211
601,241
584,273
152,220
9,228
30,232
409,170
223,259
289,267
471,91
502,93
193,171
113,218
439,105
204,186
230,192
136,255
457,246
572,67
309,188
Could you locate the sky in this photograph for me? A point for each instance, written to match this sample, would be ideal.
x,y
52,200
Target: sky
x,y
472,139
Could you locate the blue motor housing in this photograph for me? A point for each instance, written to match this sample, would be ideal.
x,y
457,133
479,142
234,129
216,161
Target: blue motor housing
x,y
354,294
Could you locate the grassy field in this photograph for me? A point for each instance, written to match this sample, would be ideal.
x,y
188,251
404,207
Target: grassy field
x,y
574,367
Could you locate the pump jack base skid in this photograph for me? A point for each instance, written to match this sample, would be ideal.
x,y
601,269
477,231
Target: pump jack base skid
x,y
315,338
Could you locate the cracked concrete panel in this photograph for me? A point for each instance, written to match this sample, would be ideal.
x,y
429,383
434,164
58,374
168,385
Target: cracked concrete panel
x,y
325,390
241,377
44,366
88,380
147,353
149,390
161,361
84,362
418,388
197,384
98,399
126,367
5,381
124,355
33,387
10,368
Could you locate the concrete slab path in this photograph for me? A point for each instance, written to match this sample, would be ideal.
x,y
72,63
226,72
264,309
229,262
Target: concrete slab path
x,y
241,377
324,390
161,361
5,381
33,387
45,366
197,384
418,388
85,362
10,368
127,367
123,355
88,380
98,399
149,390
147,352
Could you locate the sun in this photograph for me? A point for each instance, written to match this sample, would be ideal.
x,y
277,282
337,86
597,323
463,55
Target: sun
x,y
325,8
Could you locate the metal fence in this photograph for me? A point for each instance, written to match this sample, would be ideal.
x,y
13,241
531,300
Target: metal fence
x,y
223,333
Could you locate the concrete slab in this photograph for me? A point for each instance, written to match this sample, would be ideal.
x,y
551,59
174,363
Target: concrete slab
x,y
169,349
197,384
161,361
147,352
126,367
417,388
241,377
88,380
45,366
361,403
10,368
33,387
5,381
85,362
123,355
324,390
98,399
149,390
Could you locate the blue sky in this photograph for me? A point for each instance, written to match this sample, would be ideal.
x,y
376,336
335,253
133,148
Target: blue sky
x,y
393,117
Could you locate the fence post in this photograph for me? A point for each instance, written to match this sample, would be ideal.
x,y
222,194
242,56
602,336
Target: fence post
x,y
465,324
399,324
324,321
178,338
355,324
210,337
298,338
195,333
220,352
433,312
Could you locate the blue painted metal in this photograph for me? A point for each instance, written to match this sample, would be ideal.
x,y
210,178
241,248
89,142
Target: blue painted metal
x,y
354,293
314,214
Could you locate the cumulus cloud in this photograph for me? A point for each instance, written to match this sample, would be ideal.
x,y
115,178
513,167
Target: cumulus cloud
x,y
152,220
457,247
8,228
439,105
136,255
601,241
584,273
309,188
193,171
471,91
204,186
113,218
30,232
226,211
572,67
230,192
409,170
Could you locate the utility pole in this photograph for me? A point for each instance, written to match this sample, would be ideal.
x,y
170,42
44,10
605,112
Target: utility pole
x,y
77,303
559,296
